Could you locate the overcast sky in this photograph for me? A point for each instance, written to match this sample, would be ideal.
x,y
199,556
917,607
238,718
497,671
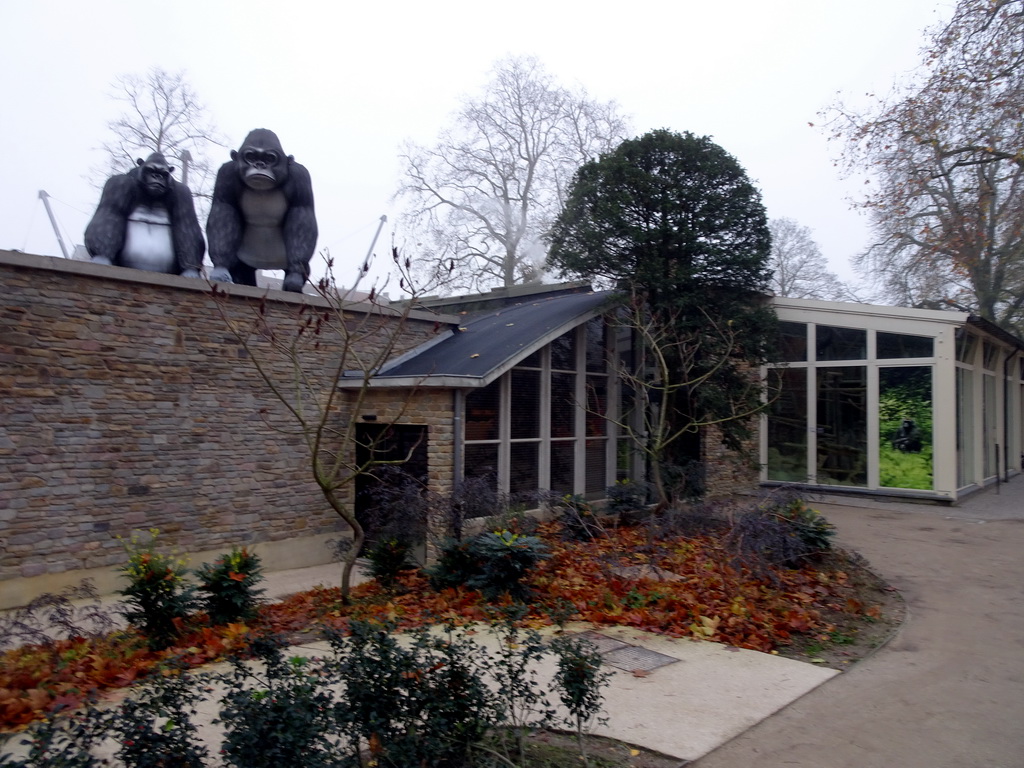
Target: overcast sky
x,y
344,84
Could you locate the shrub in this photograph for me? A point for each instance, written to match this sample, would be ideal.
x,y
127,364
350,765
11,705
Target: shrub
x,y
579,679
419,703
782,532
494,563
505,559
155,726
388,558
52,617
522,699
157,598
627,498
279,715
62,742
456,564
577,518
229,586
396,507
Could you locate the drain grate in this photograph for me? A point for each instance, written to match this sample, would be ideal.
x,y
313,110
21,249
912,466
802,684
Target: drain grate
x,y
623,655
602,643
632,658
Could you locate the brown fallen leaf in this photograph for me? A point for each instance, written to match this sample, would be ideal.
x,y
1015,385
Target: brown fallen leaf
x,y
641,673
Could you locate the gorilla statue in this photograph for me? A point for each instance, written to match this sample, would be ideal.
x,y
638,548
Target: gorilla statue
x,y
146,220
262,215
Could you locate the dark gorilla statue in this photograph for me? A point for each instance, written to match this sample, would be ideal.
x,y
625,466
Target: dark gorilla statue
x,y
262,215
146,220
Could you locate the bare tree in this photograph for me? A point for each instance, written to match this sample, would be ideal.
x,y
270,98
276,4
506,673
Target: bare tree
x,y
162,114
480,200
332,350
946,153
799,270
675,359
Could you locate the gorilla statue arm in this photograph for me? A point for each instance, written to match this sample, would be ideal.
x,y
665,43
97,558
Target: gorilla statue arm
x,y
300,230
224,224
105,233
135,204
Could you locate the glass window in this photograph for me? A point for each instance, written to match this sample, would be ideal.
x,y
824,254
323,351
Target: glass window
x,y
563,352
964,426
481,460
905,427
482,408
834,343
563,404
563,454
533,361
524,416
990,356
895,345
842,425
596,344
792,342
597,405
988,416
522,474
965,345
596,481
787,425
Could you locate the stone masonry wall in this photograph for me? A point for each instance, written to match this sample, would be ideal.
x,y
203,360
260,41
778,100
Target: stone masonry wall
x,y
128,404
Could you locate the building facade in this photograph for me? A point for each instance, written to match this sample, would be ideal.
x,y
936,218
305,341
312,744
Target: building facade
x,y
889,400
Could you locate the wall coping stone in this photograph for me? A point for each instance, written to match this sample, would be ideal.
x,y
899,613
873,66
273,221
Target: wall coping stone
x,y
201,285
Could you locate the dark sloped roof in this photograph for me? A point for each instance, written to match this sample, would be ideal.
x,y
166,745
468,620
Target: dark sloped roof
x,y
490,343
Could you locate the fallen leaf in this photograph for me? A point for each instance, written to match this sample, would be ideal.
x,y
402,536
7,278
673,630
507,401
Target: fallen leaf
x,y
641,673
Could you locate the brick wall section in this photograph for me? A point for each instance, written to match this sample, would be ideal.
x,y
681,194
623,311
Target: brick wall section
x,y
729,472
128,404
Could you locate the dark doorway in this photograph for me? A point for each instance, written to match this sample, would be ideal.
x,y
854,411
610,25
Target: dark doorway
x,y
387,443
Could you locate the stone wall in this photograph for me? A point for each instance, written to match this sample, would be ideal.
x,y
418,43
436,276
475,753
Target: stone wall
x,y
129,404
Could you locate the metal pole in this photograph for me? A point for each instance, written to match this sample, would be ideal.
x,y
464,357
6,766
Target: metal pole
x,y
53,222
186,159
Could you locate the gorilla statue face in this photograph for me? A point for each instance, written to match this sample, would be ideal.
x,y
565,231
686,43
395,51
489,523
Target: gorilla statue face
x,y
261,162
155,175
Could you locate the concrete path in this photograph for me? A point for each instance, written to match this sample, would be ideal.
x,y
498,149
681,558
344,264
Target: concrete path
x,y
948,691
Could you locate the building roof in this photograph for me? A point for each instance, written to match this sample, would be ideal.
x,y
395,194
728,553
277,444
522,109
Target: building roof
x,y
489,343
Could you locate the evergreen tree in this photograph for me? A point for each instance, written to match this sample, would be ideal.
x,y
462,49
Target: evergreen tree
x,y
673,221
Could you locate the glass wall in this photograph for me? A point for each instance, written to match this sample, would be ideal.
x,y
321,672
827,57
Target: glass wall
x,y
544,425
851,406
842,429
905,453
787,425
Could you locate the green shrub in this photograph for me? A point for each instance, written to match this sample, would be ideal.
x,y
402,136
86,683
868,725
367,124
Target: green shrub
x,y
456,564
157,599
279,715
579,680
420,703
494,563
389,557
155,726
229,587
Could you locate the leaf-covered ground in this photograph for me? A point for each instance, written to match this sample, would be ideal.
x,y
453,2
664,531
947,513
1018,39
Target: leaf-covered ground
x,y
679,586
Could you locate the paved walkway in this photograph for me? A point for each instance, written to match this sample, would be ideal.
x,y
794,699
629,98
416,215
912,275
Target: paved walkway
x,y
948,691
